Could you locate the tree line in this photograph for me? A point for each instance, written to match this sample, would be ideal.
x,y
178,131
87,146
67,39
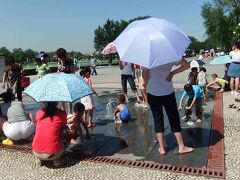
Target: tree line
x,y
28,56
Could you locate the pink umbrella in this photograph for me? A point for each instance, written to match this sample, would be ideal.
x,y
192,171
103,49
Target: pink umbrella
x,y
109,49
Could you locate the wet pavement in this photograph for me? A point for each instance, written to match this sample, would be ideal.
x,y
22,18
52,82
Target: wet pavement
x,y
136,139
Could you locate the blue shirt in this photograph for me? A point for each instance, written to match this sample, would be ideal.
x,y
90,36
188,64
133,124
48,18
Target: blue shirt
x,y
125,114
198,92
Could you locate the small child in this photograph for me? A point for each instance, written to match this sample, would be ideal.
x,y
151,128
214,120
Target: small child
x,y
122,113
194,94
139,83
88,101
74,123
202,80
42,68
192,76
221,82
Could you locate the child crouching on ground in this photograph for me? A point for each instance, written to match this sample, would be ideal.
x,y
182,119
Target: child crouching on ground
x,y
74,123
122,113
194,94
221,82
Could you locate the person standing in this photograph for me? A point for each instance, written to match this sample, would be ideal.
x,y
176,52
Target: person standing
x,y
127,75
161,94
12,76
94,63
234,68
65,65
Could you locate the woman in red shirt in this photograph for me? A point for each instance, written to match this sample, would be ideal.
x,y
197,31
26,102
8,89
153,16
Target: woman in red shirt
x,y
47,143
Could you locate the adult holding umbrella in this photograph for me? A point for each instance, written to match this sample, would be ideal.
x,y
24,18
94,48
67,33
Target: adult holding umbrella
x,y
50,89
65,65
157,45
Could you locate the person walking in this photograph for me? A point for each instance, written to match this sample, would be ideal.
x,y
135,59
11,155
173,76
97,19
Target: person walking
x,y
94,63
161,94
127,75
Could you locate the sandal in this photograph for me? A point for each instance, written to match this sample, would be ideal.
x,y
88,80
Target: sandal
x,y
230,105
7,142
59,162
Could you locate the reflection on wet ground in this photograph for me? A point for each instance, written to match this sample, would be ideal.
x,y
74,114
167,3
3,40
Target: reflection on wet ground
x,y
136,140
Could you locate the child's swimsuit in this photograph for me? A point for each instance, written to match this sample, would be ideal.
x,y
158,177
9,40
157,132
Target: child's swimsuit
x,y
125,114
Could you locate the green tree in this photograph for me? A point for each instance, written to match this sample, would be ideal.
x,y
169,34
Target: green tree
x,y
19,55
4,51
220,18
30,54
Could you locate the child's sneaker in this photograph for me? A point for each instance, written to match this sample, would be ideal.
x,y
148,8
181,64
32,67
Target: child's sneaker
x,y
7,142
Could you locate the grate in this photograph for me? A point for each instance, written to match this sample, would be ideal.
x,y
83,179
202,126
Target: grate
x,y
157,166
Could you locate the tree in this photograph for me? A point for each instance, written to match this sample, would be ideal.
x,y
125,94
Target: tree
x,y
30,54
19,55
220,18
4,51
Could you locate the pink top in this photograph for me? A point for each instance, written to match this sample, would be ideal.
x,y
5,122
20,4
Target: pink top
x,y
47,137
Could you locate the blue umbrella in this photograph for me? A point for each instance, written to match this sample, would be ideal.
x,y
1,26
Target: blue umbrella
x,y
221,60
58,87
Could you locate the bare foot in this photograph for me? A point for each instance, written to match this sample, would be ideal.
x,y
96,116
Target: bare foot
x,y
118,122
185,150
185,118
161,151
199,120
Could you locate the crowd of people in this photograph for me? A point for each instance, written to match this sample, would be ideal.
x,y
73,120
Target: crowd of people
x,y
52,130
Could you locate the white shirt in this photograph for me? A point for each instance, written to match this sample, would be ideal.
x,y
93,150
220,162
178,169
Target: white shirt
x,y
157,83
235,56
202,81
127,68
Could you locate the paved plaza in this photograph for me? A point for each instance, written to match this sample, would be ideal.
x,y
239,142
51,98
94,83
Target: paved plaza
x,y
17,165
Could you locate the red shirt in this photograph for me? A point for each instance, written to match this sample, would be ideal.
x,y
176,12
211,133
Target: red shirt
x,y
47,137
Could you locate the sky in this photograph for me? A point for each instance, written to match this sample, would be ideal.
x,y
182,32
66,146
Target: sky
x,y
46,25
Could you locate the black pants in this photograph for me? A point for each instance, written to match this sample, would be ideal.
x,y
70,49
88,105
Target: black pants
x,y
169,103
198,107
129,78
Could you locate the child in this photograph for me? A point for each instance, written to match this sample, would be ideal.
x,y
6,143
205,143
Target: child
x,y
194,94
139,83
202,80
122,113
192,77
221,82
88,101
12,75
42,68
74,123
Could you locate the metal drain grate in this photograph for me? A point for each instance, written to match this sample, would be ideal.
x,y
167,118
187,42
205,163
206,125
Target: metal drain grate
x,y
157,166
16,148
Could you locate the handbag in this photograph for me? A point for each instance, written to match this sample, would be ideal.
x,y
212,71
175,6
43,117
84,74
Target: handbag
x,y
24,81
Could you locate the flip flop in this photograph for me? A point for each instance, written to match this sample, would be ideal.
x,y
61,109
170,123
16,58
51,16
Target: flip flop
x,y
230,105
